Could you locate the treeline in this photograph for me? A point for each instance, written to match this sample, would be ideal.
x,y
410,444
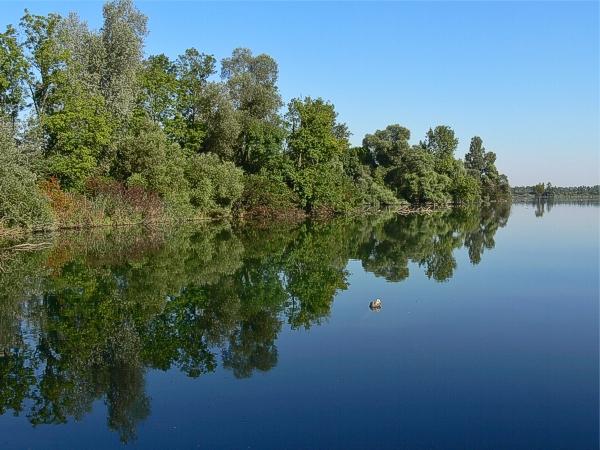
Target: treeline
x,y
549,192
86,318
92,132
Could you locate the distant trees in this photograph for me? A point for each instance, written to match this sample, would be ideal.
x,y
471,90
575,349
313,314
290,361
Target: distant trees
x,y
98,112
547,191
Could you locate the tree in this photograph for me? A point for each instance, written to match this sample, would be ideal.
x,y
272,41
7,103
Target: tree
x,y
46,60
72,110
192,70
123,33
440,142
146,157
158,89
313,132
417,181
13,72
220,122
475,158
539,190
482,166
252,85
215,186
78,134
386,147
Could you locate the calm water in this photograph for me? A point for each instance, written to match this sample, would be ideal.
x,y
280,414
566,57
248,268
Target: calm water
x,y
214,337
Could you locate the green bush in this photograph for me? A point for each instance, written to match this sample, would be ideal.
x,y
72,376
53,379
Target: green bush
x,y
147,159
326,187
21,202
417,181
265,193
215,186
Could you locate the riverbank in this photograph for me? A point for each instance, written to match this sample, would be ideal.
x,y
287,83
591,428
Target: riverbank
x,y
11,236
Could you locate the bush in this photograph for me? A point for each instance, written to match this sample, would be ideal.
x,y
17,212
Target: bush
x,y
147,159
106,202
326,187
265,196
465,189
215,186
71,210
125,203
21,202
417,181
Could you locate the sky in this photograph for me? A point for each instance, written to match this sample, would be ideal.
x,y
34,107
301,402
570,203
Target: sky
x,y
522,75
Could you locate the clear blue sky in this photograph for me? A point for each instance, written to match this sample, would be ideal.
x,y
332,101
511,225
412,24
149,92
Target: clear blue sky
x,y
522,75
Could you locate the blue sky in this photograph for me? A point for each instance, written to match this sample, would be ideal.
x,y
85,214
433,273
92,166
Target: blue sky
x,y
522,75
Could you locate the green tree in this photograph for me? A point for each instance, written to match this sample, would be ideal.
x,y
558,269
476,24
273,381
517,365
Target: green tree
x,y
539,190
216,186
252,85
78,134
123,33
417,181
158,89
145,157
386,147
441,142
482,166
13,72
46,58
192,69
313,132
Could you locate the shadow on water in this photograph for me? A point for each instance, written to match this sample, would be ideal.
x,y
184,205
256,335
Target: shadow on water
x,y
86,318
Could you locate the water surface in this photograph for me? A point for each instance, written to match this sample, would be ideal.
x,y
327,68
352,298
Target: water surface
x,y
261,337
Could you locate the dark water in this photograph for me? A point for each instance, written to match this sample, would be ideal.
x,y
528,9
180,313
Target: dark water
x,y
213,337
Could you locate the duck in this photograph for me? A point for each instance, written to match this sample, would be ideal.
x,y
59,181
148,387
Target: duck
x,y
375,304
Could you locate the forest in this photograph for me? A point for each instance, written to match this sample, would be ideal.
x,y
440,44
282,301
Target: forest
x,y
95,132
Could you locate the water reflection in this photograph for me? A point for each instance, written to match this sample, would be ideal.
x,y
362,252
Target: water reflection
x,y
85,319
542,206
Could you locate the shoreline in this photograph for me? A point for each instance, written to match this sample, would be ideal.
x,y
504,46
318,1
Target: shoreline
x,y
14,236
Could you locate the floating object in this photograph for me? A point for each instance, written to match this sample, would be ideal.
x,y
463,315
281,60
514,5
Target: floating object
x,y
375,304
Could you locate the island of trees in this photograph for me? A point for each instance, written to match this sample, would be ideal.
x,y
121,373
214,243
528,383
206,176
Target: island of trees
x,y
92,132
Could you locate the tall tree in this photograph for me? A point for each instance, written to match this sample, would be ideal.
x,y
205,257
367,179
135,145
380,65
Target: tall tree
x,y
252,84
123,33
158,89
46,58
475,158
13,71
314,136
440,141
192,70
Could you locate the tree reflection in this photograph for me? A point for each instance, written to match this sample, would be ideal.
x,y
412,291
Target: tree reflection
x,y
85,319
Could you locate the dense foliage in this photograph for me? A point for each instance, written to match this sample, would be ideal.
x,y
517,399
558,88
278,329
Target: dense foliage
x,y
196,140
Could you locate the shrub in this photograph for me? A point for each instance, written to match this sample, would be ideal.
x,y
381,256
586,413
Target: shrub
x,y
215,186
71,210
265,196
21,203
325,187
125,204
